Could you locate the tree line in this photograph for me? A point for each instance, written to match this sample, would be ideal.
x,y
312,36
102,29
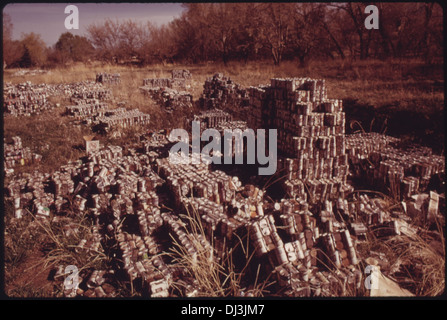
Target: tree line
x,y
246,32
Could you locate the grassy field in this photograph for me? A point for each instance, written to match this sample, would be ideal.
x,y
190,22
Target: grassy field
x,y
401,98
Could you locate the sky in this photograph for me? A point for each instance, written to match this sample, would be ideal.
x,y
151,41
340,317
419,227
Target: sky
x,y
48,19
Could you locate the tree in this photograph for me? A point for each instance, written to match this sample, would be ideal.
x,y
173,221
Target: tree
x,y
307,35
197,20
248,33
71,47
185,39
160,45
115,40
106,40
332,29
131,39
302,31
355,13
82,49
26,60
223,17
12,49
276,27
35,48
64,47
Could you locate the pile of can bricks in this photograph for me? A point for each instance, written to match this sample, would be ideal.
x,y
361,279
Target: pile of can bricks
x,y
221,121
156,145
311,133
99,113
221,92
26,190
171,99
306,240
384,162
212,118
88,90
428,207
135,196
15,154
231,125
98,284
123,118
181,74
170,92
310,130
195,180
305,245
113,78
77,90
108,185
121,193
140,253
87,111
25,99
197,187
286,234
156,83
179,81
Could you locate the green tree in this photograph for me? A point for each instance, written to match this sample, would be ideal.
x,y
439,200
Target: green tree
x,y
25,60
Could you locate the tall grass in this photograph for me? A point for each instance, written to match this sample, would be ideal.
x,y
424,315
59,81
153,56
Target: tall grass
x,y
420,262
40,246
50,135
214,272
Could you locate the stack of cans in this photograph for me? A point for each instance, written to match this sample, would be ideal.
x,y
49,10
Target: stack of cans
x,y
15,154
110,78
387,164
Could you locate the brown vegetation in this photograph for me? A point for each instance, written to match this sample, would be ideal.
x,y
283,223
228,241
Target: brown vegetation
x,y
244,32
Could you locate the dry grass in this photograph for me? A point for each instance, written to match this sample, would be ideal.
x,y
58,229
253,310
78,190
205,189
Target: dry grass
x,y
216,276
415,261
34,247
21,237
49,135
420,262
